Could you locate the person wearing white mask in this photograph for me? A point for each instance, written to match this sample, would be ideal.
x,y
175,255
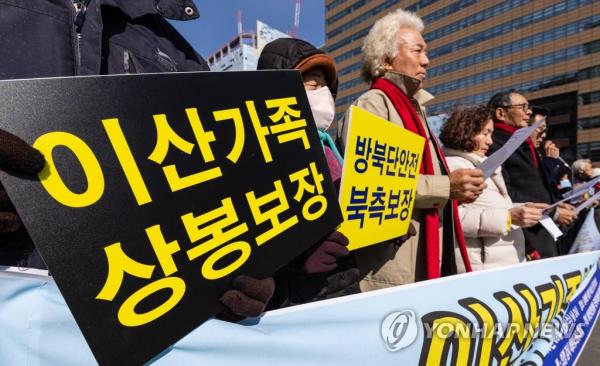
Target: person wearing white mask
x,y
319,75
327,269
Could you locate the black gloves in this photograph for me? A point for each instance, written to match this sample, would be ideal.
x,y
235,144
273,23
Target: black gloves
x,y
248,299
324,258
16,248
16,156
400,240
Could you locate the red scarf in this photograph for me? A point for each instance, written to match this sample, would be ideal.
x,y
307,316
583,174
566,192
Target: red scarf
x,y
511,129
413,123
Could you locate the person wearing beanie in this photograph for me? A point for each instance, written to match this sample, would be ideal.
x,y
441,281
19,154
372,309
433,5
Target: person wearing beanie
x,y
327,269
319,75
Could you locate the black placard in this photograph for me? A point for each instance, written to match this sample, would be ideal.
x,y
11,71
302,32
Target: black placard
x,y
138,166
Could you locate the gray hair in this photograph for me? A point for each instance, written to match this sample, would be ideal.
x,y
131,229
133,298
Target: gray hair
x,y
578,165
381,44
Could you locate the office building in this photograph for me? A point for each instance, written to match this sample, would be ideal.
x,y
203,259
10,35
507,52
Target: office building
x,y
242,51
548,49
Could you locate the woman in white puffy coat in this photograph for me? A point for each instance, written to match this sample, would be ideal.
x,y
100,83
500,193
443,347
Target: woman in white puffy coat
x,y
492,224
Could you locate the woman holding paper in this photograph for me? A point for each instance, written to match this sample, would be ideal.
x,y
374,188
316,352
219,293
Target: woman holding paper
x,y
492,224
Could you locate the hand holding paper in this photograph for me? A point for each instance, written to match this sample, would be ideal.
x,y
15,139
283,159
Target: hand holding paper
x,y
566,214
527,215
466,184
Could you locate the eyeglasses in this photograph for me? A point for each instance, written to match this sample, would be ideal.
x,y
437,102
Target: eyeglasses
x,y
525,106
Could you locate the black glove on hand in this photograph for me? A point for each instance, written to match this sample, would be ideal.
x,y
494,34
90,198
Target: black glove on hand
x,y
411,232
18,157
324,258
16,247
248,299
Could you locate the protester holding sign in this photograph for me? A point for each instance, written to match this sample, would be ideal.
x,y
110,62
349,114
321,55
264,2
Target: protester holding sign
x,y
523,173
43,38
328,269
492,224
395,67
125,28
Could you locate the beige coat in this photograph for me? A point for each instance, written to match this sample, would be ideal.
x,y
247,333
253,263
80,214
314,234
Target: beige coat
x,y
383,265
490,243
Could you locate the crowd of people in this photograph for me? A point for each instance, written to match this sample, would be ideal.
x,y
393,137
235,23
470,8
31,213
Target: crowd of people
x,y
461,221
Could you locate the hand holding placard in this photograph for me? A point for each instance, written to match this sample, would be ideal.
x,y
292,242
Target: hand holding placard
x,y
163,193
324,258
15,156
248,298
379,181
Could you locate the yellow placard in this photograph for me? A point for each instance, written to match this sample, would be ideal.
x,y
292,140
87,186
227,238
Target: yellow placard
x,y
379,180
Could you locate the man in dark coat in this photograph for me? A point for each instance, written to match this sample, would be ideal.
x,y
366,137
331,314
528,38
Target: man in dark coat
x,y
45,38
523,171
49,38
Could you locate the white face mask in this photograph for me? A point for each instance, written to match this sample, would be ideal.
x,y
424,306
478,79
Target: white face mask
x,y
322,106
565,183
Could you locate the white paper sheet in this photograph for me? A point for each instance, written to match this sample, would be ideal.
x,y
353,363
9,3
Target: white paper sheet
x,y
495,160
567,198
551,227
588,202
582,188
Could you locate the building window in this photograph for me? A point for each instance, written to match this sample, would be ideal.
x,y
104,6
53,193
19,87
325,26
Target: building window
x,y
512,69
526,20
528,86
588,123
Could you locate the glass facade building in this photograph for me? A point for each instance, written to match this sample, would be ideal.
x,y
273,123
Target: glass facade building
x,y
548,49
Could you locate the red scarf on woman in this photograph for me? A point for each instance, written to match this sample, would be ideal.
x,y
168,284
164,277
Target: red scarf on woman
x,y
413,123
511,129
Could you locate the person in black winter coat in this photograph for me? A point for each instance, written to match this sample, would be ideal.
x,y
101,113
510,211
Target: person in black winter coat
x,y
50,38
45,38
327,269
523,171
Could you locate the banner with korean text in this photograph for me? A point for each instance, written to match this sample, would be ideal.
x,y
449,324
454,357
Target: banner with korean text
x,y
379,179
538,313
160,188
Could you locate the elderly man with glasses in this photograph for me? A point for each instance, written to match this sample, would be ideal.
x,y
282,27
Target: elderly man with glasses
x,y
523,171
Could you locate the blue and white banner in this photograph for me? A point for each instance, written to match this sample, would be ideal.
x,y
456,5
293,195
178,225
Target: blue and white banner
x,y
541,312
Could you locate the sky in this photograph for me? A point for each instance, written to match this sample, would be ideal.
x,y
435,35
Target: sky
x,y
218,21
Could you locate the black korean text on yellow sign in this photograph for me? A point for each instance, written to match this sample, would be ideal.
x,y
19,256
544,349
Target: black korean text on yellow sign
x,y
379,179
160,189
